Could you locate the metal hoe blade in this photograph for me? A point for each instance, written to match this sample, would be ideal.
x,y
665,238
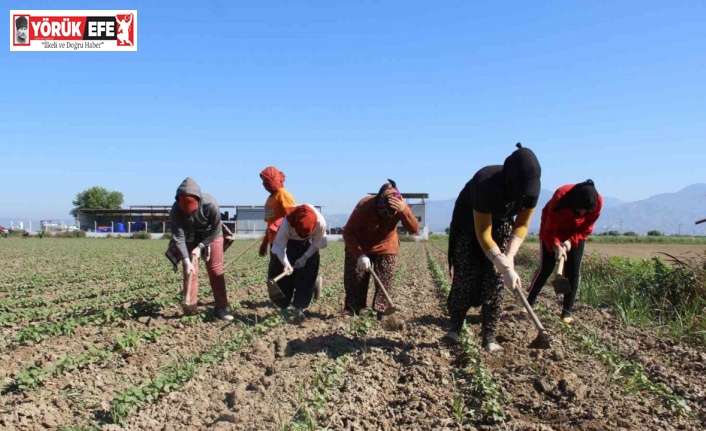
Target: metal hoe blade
x,y
541,341
560,283
274,291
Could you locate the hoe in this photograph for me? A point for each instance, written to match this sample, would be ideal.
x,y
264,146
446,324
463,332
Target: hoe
x,y
542,339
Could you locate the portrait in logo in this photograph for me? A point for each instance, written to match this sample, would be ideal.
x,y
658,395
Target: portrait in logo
x,y
22,30
125,29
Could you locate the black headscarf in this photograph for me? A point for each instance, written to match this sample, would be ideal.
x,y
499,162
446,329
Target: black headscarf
x,y
582,196
522,175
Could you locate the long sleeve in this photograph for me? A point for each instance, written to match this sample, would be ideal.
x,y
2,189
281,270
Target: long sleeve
x,y
178,235
214,218
351,231
409,221
522,222
319,239
483,225
279,245
550,221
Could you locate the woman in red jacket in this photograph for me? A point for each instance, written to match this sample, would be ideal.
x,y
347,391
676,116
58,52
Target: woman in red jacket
x,y
567,220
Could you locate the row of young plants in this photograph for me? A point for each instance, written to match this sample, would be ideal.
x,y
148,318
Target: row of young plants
x,y
488,398
629,373
108,282
643,292
133,291
35,375
183,368
34,334
311,400
627,286
61,264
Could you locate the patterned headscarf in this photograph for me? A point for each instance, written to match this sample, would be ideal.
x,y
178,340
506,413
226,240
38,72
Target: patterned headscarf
x,y
272,178
382,199
303,220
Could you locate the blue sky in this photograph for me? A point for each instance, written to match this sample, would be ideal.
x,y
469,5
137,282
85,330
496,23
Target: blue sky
x,y
343,95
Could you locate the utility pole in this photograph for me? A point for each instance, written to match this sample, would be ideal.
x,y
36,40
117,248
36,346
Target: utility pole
x,y
621,226
679,234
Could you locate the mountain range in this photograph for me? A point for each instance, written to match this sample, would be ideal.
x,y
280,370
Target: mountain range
x,y
669,213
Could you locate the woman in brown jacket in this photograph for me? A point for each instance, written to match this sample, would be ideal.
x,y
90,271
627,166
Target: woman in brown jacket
x,y
371,241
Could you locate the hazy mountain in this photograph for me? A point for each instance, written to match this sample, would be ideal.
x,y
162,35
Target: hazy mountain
x,y
670,213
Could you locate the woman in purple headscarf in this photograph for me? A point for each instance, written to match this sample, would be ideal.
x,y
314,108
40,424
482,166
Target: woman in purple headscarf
x,y
371,241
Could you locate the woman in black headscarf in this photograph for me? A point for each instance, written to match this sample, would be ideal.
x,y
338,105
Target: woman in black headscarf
x,y
490,220
567,220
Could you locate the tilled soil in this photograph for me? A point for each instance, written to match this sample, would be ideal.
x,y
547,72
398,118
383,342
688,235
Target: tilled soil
x,y
351,373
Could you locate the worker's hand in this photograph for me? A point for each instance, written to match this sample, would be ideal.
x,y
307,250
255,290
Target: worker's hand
x,y
397,204
511,280
301,262
263,248
559,252
187,266
287,267
196,253
208,253
364,262
567,245
501,261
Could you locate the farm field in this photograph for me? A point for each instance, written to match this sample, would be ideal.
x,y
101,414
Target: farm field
x,y
93,338
646,251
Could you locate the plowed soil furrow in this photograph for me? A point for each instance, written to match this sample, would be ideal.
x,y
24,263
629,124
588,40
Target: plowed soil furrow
x,y
351,373
564,386
91,389
391,379
258,385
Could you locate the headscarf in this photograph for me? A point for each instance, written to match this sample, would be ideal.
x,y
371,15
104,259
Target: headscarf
x,y
522,176
272,178
382,199
303,220
582,196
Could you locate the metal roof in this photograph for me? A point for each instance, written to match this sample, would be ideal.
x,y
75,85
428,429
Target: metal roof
x,y
411,195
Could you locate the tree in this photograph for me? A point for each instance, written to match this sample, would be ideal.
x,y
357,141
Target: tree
x,y
654,233
96,198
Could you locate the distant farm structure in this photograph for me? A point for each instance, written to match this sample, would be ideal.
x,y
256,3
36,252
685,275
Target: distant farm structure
x,y
241,219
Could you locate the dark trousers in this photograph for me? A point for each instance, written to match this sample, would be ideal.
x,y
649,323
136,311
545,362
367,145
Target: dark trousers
x,y
572,271
298,288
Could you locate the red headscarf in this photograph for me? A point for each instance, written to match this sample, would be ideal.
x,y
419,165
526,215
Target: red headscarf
x,y
272,178
303,220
